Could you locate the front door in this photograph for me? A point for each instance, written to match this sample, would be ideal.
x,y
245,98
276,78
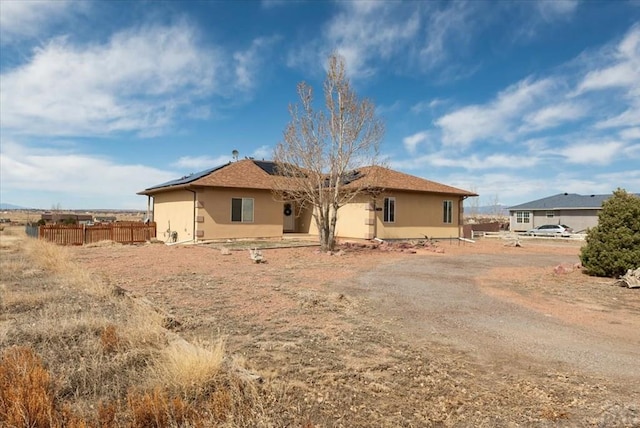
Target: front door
x,y
289,219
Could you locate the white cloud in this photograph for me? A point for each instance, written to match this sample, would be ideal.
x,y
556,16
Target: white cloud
x,y
201,162
382,110
495,119
444,27
628,180
426,105
494,185
632,152
99,181
551,10
600,153
205,161
538,15
619,75
412,141
624,70
363,31
404,37
629,117
470,163
493,161
630,134
21,19
135,82
139,81
401,35
249,62
271,4
263,152
554,115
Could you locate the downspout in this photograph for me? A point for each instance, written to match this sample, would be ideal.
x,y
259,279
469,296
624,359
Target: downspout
x,y
194,213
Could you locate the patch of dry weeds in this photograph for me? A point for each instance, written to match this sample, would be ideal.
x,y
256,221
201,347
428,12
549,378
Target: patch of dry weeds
x,y
75,353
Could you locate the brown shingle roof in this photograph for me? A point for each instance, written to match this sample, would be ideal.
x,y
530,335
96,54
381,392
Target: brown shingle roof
x,y
248,175
244,174
386,178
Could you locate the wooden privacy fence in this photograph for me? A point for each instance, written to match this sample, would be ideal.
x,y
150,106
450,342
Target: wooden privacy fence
x,y
123,232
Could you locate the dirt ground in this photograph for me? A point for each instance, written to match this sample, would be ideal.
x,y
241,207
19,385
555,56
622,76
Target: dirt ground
x,y
481,335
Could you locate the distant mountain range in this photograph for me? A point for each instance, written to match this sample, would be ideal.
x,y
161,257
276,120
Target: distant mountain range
x,y
4,206
487,210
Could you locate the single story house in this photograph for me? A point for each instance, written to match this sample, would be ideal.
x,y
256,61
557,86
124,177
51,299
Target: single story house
x,y
235,200
57,218
579,212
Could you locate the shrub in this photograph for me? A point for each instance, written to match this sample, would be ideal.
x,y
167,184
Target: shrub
x,y
26,392
68,221
613,246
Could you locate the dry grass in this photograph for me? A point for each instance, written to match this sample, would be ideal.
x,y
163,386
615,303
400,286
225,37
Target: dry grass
x,y
26,390
189,369
74,353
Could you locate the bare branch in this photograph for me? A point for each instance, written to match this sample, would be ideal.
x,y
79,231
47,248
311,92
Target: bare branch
x,y
323,151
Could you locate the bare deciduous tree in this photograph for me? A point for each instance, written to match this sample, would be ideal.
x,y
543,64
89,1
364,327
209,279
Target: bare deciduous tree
x,y
324,151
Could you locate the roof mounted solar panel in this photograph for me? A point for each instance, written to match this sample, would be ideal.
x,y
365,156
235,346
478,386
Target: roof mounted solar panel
x,y
188,178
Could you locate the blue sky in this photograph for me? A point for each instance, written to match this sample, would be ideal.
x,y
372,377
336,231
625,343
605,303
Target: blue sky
x,y
513,100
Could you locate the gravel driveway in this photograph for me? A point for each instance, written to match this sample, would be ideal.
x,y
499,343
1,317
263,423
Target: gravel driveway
x,y
439,298
484,335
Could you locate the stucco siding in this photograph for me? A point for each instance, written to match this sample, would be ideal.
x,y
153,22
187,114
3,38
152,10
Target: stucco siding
x,y
514,226
215,210
417,215
352,220
305,223
577,219
173,212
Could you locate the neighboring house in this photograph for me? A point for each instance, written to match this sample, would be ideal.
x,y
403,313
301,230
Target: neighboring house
x,y
579,212
57,218
105,219
235,201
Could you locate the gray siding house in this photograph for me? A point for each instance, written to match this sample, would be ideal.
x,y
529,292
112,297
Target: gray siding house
x,y
579,212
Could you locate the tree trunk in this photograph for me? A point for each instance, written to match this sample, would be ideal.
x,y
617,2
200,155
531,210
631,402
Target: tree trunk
x,y
331,241
322,222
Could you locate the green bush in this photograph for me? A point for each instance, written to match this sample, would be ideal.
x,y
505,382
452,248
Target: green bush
x,y
613,246
69,221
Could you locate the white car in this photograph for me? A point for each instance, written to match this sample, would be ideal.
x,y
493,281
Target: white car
x,y
550,230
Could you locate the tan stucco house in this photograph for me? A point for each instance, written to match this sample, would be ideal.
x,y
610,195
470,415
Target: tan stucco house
x,y
235,200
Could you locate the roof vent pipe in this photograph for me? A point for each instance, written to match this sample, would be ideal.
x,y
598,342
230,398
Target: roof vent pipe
x,y
566,194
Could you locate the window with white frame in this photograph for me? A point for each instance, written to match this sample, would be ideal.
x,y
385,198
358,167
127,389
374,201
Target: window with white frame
x,y
242,210
447,211
522,216
389,210
551,214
